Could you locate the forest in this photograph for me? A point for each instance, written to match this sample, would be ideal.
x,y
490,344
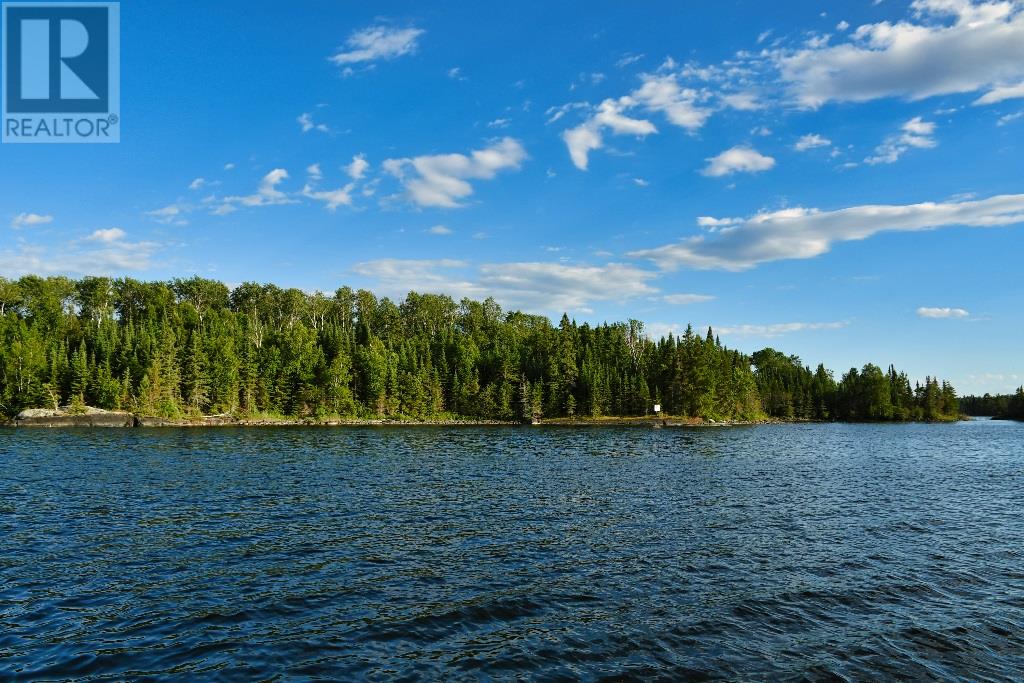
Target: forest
x,y
192,347
1000,406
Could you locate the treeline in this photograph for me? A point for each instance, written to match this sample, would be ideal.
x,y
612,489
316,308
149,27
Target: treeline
x,y
1001,406
194,347
789,389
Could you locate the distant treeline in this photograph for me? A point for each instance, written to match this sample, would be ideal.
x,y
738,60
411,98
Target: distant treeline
x,y
1003,406
192,347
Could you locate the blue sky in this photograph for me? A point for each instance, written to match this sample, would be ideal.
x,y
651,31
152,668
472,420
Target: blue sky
x,y
842,181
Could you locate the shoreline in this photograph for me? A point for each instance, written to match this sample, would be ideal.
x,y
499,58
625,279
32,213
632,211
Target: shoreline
x,y
124,420
99,419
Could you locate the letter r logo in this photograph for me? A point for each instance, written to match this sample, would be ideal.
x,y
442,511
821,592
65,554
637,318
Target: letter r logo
x,y
61,64
57,58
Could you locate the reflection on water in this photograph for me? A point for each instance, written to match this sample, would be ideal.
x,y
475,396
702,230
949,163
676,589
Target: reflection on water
x,y
800,550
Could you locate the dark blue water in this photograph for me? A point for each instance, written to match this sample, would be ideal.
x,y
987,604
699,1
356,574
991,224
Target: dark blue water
x,y
810,552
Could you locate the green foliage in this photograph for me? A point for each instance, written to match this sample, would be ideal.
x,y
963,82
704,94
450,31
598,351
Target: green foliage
x,y
192,347
1003,406
790,390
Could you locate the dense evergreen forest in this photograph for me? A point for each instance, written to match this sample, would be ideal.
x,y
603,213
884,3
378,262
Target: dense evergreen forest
x,y
1002,406
194,347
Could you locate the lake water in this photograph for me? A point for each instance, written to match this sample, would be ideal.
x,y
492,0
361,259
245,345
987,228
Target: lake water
x,y
805,551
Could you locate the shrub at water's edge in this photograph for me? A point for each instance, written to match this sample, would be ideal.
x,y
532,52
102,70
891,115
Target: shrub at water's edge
x,y
183,349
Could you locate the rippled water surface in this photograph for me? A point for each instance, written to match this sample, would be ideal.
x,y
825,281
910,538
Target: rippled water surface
x,y
789,551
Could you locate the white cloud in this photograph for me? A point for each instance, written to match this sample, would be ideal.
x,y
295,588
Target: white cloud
x,y
609,115
455,73
1009,118
23,220
93,255
556,113
267,194
641,182
197,184
229,167
660,93
742,101
172,214
800,233
358,167
663,93
810,141
538,287
711,224
268,186
108,235
378,42
842,25
950,46
307,124
332,199
915,133
686,299
996,95
776,329
628,59
581,141
499,123
440,230
738,159
926,312
441,180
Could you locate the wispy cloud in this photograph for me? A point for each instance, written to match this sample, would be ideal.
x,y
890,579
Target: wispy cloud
x,y
738,159
927,312
378,43
811,141
686,299
628,59
586,137
947,46
103,252
172,214
307,124
799,233
267,194
358,167
659,93
537,287
776,329
24,220
442,180
107,235
915,133
1001,94
332,199
1010,118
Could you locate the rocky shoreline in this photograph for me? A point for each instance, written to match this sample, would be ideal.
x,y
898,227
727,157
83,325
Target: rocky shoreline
x,y
97,418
